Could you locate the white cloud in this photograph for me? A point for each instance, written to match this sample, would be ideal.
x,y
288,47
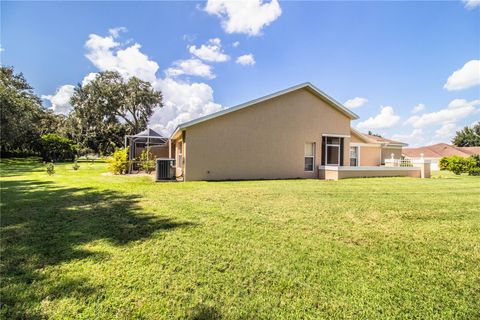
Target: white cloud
x,y
466,77
115,32
212,51
248,16
192,67
60,101
446,131
355,102
246,60
2,49
105,54
183,101
470,4
236,44
456,110
89,78
385,119
418,108
416,137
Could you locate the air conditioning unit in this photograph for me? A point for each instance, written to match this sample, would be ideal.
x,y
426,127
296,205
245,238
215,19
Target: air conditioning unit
x,y
165,169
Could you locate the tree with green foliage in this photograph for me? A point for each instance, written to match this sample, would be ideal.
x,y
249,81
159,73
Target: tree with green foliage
x,y
23,119
51,122
57,148
468,137
20,110
108,108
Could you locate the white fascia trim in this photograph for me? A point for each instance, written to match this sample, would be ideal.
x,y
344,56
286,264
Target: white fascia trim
x,y
333,135
392,145
363,136
360,144
307,85
367,168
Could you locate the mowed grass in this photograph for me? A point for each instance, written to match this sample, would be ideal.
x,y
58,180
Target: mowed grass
x,y
80,244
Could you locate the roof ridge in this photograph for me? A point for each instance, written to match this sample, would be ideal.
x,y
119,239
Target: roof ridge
x,y
458,148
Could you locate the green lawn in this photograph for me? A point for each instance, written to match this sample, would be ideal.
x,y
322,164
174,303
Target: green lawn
x,y
80,244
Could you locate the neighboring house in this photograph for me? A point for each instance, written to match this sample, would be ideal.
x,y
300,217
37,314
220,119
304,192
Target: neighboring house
x,y
294,133
437,151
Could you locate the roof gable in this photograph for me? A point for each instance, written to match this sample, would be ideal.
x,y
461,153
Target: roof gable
x,y
362,136
311,88
368,138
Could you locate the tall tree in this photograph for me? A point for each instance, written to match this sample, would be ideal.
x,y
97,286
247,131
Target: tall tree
x,y
20,111
51,122
468,137
109,107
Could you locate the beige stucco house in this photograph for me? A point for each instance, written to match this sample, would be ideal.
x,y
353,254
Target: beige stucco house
x,y
299,132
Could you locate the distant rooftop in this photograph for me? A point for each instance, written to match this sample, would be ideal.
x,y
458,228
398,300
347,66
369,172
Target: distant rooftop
x,y
440,150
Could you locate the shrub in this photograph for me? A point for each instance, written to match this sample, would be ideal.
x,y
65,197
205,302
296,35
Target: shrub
x,y
50,168
75,165
476,158
118,163
147,162
443,163
57,148
458,165
474,171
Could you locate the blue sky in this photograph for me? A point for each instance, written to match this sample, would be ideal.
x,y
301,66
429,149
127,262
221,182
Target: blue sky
x,y
411,70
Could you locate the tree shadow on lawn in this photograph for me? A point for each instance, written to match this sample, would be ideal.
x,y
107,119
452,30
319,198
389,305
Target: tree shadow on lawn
x,y
10,167
43,225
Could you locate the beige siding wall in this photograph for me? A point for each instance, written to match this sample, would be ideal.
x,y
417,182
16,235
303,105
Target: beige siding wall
x,y
383,173
387,153
336,175
356,138
265,141
370,156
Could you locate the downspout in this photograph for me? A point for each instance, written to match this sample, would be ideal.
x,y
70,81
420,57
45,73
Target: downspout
x,y
169,148
184,155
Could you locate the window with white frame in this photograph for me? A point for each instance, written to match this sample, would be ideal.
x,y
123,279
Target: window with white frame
x,y
333,151
354,156
309,156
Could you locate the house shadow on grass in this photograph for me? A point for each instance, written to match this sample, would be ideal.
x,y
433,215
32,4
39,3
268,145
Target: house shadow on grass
x,y
44,225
